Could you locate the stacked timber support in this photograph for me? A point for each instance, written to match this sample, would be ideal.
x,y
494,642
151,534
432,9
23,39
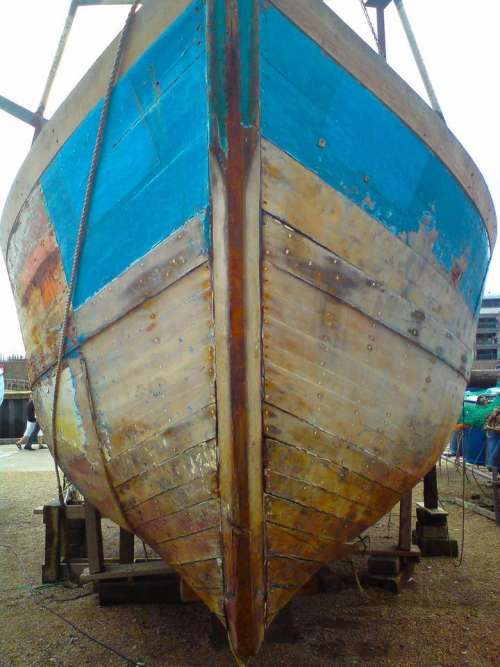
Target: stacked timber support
x,y
431,533
65,541
392,568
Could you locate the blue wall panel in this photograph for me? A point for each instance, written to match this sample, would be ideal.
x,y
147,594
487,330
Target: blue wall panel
x,y
153,174
370,155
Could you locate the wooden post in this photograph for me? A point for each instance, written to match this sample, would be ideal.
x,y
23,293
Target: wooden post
x,y
431,531
496,494
431,498
94,539
126,546
405,506
53,520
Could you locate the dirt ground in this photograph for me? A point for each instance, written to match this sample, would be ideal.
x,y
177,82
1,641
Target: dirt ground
x,y
446,616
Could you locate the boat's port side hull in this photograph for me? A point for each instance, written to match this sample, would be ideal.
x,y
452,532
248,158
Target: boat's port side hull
x,y
136,424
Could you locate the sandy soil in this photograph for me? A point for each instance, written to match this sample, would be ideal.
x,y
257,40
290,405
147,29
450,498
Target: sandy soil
x,y
447,616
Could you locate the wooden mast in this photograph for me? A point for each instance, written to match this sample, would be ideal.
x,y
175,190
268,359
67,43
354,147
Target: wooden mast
x,y
235,184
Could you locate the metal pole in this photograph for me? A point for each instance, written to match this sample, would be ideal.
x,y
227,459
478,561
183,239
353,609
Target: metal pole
x,y
381,32
418,57
20,112
57,58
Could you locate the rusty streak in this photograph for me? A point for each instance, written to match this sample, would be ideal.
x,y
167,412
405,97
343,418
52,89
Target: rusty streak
x,y
235,142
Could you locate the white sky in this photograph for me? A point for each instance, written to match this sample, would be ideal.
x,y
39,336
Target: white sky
x,y
458,39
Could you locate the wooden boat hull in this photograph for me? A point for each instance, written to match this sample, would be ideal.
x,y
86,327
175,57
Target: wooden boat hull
x,y
275,310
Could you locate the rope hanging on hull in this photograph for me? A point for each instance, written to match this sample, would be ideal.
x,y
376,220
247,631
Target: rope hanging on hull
x,y
82,230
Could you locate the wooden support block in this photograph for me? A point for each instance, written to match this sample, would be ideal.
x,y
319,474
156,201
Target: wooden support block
x,y
405,508
413,552
126,546
431,532
387,565
159,590
94,539
431,499
53,520
394,583
112,571
436,516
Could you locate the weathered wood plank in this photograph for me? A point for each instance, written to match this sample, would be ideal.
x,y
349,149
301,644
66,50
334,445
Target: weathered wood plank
x,y
318,471
38,281
289,347
126,546
173,376
286,428
343,332
176,438
206,574
291,251
292,543
356,517
180,524
205,545
197,490
174,472
299,397
291,515
166,264
289,572
301,199
363,401
333,35
93,533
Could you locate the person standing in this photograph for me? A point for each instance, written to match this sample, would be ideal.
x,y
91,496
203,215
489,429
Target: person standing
x,y
30,435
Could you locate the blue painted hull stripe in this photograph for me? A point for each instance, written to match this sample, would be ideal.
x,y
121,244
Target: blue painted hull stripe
x,y
153,175
318,113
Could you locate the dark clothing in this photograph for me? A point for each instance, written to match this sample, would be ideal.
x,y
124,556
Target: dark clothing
x,y
31,417
30,411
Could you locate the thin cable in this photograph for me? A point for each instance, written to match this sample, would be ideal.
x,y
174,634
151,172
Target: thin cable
x,y
461,557
372,27
82,230
39,603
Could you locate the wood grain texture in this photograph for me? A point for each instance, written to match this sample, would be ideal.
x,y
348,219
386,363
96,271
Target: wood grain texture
x,y
308,467
294,253
235,191
171,441
355,348
38,282
287,428
171,378
297,195
333,35
176,499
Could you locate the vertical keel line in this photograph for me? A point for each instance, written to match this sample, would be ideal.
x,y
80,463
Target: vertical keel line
x,y
235,165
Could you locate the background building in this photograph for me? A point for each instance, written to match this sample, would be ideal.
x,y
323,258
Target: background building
x,y
486,367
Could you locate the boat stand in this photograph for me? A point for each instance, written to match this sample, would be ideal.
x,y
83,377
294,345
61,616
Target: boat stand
x,y
431,532
74,551
392,569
